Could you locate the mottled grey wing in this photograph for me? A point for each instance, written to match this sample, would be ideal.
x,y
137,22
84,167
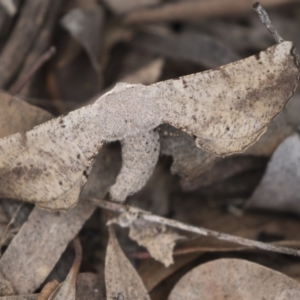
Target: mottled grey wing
x,y
49,164
227,109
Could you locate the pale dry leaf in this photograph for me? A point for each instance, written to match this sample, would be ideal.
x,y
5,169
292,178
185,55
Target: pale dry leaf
x,y
86,25
279,189
9,6
67,290
226,110
121,279
158,240
147,74
37,247
16,115
90,286
234,279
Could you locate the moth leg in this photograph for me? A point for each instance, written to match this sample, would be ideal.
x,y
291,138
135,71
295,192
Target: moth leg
x,y
139,154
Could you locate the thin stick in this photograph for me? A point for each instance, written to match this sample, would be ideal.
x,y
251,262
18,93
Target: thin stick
x,y
198,230
193,11
265,20
39,63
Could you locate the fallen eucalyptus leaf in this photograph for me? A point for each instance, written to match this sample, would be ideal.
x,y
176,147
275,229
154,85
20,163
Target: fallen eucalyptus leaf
x,y
17,115
234,279
37,247
225,109
121,279
279,189
158,240
188,46
86,25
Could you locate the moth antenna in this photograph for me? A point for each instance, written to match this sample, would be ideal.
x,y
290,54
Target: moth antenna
x,y
265,20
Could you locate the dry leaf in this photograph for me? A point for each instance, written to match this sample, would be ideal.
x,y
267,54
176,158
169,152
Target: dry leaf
x,y
86,26
37,247
188,46
67,290
9,6
234,279
16,115
158,240
279,189
147,74
121,279
52,175
21,39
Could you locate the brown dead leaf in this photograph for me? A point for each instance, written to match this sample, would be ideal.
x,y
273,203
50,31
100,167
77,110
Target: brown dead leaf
x,y
158,240
16,115
67,290
153,272
279,189
9,6
90,286
121,279
188,46
234,279
86,26
147,74
39,244
15,50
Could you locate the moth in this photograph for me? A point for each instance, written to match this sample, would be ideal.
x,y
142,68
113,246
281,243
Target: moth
x,y
226,110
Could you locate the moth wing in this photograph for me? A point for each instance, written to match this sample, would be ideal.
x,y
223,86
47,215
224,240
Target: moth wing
x,y
227,109
49,164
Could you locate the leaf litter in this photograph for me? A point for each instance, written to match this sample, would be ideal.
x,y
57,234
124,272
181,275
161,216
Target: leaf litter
x,y
166,116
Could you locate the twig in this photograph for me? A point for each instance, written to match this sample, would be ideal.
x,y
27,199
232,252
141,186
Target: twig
x,y
198,230
21,39
195,10
265,20
39,63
